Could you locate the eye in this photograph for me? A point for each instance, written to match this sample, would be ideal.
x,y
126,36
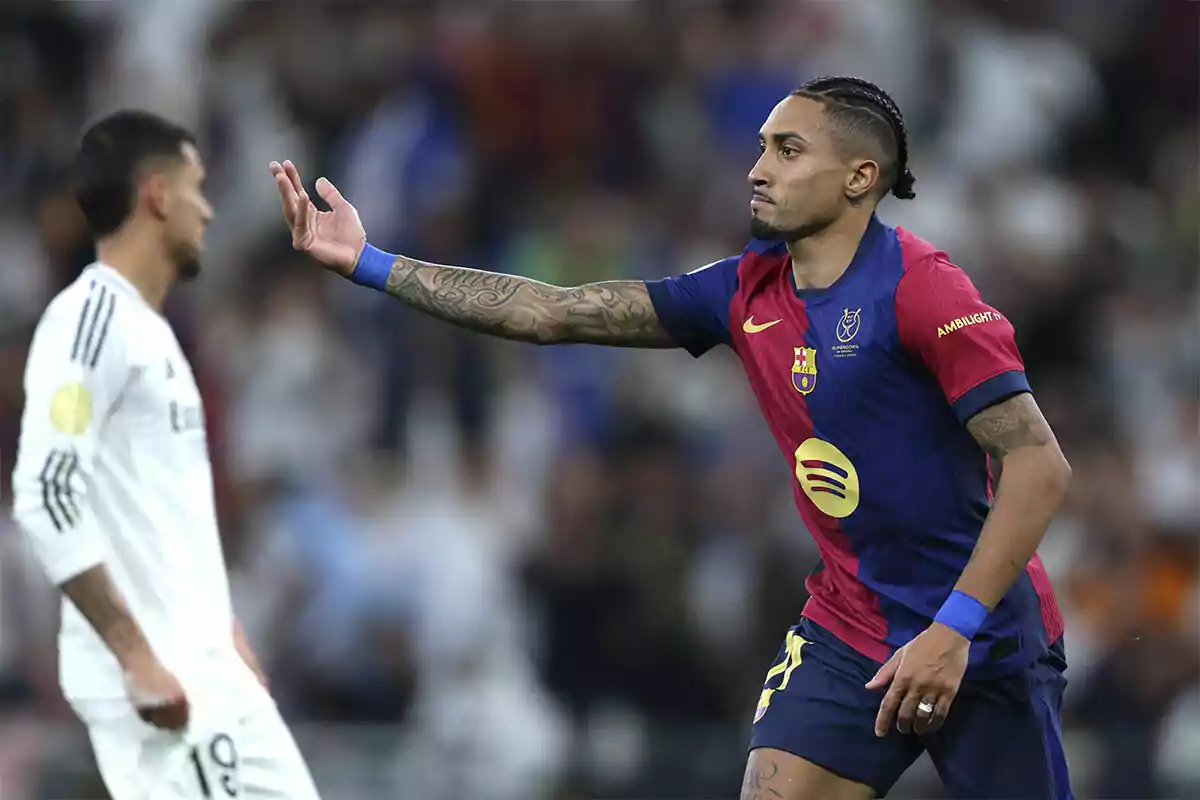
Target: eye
x,y
787,151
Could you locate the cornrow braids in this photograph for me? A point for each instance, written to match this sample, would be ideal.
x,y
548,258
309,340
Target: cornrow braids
x,y
872,108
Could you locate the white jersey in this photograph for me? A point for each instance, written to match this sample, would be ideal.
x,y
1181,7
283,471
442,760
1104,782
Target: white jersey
x,y
113,469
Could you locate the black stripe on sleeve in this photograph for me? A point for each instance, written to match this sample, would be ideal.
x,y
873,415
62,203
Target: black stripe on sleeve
x,y
79,329
50,500
57,496
62,487
93,324
112,306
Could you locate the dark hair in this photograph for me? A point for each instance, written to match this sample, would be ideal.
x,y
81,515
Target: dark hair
x,y
859,107
111,153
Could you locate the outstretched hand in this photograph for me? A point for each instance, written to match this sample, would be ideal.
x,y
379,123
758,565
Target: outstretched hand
x,y
335,237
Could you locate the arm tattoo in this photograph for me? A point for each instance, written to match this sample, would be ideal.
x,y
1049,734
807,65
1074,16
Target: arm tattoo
x,y
97,598
617,313
1007,426
1001,430
760,773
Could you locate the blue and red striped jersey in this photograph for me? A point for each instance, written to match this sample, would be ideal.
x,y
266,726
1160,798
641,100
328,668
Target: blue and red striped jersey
x,y
866,386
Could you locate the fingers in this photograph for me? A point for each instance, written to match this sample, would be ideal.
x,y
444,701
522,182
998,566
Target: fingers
x,y
903,703
941,710
294,176
907,713
886,672
171,715
329,193
287,193
890,707
306,214
298,210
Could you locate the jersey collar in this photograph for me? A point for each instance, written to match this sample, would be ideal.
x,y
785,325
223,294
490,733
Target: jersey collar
x,y
114,279
866,247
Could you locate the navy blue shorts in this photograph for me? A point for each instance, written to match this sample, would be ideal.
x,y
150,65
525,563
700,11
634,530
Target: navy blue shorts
x,y
1002,739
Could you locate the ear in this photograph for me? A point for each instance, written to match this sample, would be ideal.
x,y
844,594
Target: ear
x,y
154,192
862,179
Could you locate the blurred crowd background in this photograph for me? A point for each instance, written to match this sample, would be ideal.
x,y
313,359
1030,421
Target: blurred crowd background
x,y
488,570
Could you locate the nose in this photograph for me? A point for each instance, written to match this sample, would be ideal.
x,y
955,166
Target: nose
x,y
206,212
758,176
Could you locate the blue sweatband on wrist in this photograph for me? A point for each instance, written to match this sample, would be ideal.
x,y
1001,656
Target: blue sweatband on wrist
x,y
373,268
963,613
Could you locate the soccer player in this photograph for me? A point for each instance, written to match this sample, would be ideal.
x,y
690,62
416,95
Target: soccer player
x,y
891,388
113,488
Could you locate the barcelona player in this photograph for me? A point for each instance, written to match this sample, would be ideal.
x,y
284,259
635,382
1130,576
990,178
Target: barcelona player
x,y
899,400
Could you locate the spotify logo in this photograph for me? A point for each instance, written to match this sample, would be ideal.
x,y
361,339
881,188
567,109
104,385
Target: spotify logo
x,y
827,477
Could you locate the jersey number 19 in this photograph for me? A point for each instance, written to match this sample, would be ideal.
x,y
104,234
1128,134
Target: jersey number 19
x,y
217,766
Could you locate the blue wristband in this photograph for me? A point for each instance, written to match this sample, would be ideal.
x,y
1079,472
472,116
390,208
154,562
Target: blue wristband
x,y
373,268
963,613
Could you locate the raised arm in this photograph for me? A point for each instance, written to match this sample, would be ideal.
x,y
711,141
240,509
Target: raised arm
x,y
617,313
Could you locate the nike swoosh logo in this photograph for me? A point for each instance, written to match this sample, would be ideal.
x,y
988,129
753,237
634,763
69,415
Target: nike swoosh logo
x,y
750,327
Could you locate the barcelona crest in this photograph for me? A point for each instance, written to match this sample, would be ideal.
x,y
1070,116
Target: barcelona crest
x,y
804,370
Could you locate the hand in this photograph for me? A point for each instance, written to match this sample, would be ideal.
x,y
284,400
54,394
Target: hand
x,y
929,669
335,237
156,693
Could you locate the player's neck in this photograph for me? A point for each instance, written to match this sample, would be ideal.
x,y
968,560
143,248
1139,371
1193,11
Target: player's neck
x,y
141,263
819,260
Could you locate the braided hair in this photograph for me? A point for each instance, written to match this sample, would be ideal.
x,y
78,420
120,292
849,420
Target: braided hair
x,y
860,107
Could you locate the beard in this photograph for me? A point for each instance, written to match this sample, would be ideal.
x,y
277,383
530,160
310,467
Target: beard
x,y
189,270
761,229
187,263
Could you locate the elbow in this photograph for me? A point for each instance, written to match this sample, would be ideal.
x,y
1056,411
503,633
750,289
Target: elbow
x,y
1042,472
1058,474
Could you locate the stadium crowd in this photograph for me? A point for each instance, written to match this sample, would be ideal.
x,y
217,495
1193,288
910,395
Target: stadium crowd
x,y
475,568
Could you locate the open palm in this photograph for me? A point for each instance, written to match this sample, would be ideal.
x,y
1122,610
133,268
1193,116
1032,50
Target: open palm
x,y
334,237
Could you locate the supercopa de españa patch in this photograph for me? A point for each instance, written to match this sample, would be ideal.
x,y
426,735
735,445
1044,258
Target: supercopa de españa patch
x,y
71,409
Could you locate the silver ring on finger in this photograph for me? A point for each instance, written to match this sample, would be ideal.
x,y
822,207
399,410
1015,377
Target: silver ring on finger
x,y
925,708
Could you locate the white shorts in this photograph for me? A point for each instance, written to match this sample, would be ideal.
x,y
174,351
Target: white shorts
x,y
248,753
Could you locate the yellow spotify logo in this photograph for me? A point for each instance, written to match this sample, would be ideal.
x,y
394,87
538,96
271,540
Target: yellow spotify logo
x,y
827,477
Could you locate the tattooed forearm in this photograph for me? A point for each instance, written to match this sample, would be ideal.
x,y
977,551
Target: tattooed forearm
x,y
1010,425
617,313
97,598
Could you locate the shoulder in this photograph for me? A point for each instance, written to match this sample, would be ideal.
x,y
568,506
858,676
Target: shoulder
x,y
928,269
924,263
756,254
915,251
759,262
83,321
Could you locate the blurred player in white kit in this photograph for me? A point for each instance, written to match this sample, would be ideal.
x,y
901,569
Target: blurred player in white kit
x,y
113,488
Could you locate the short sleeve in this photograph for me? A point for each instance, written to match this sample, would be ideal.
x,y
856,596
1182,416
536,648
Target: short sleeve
x,y
694,307
968,346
